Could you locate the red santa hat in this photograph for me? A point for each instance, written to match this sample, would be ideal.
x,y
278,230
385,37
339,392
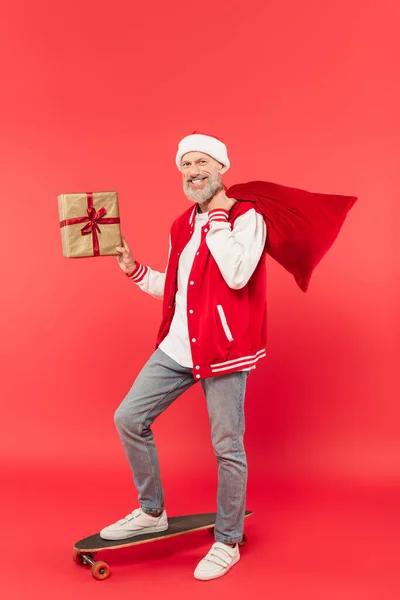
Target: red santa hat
x,y
200,142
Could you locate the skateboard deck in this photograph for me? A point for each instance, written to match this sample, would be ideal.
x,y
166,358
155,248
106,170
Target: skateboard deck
x,y
85,549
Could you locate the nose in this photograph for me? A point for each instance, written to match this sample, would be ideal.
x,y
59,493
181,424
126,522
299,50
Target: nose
x,y
193,171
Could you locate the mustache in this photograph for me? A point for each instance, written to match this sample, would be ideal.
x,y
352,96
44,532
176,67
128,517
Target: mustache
x,y
196,178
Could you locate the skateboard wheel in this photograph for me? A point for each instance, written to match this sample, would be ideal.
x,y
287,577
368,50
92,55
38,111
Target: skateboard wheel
x,y
100,570
77,558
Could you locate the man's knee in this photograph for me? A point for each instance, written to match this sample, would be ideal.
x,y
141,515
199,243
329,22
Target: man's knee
x,y
125,419
119,418
229,446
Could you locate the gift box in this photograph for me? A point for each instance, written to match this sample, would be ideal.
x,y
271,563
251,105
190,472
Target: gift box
x,y
90,224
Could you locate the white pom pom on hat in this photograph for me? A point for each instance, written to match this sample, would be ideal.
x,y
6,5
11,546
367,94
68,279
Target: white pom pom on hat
x,y
200,142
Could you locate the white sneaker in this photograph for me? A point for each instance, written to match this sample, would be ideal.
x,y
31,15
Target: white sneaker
x,y
217,562
136,523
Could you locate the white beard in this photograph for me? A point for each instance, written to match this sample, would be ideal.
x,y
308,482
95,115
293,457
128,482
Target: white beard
x,y
212,186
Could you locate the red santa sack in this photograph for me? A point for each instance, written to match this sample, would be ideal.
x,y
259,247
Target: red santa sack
x,y
301,225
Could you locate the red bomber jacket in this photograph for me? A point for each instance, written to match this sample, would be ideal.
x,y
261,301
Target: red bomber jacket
x,y
245,311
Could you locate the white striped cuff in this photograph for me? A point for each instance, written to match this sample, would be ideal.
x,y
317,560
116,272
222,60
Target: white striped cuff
x,y
219,215
138,274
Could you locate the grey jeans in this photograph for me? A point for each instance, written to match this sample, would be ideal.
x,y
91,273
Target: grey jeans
x,y
160,382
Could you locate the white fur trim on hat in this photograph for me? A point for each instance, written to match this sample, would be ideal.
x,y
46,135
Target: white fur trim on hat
x,y
198,142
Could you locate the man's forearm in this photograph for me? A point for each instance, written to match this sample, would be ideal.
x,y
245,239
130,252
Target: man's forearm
x,y
236,251
150,281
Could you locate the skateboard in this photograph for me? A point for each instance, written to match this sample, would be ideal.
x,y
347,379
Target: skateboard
x,y
86,549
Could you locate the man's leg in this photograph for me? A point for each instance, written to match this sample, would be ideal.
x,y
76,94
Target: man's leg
x,y
225,401
159,383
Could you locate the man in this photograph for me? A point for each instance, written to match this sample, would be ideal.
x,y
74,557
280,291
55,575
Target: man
x,y
213,330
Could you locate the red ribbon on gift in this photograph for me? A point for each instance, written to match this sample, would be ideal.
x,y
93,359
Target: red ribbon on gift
x,y
92,222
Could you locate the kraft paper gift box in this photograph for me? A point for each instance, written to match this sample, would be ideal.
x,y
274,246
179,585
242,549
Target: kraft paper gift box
x,y
90,224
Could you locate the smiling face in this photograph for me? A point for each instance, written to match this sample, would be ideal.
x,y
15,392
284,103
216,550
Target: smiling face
x,y
202,176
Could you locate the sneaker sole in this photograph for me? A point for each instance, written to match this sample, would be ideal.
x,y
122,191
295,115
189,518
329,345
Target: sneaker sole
x,y
115,537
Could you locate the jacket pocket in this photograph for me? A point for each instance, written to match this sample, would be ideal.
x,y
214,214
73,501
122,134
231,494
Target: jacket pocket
x,y
224,323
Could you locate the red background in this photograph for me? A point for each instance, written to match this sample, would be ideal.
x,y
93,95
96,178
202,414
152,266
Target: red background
x,y
96,97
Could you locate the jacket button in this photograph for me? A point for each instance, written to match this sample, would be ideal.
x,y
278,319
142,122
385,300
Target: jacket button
x,y
197,367
197,376
194,340
192,283
205,231
191,312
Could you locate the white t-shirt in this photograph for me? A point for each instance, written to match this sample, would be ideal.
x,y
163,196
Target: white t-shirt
x,y
176,344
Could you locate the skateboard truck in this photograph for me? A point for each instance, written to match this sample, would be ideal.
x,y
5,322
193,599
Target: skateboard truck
x,y
100,569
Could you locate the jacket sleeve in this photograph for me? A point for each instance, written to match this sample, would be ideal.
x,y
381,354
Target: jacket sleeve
x,y
150,281
236,251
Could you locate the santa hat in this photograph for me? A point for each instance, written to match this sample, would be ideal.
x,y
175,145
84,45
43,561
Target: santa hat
x,y
200,142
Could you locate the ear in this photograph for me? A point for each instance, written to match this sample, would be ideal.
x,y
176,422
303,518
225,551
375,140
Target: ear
x,y
223,169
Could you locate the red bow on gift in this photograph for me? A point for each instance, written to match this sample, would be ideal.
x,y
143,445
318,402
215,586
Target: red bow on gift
x,y
94,217
92,220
